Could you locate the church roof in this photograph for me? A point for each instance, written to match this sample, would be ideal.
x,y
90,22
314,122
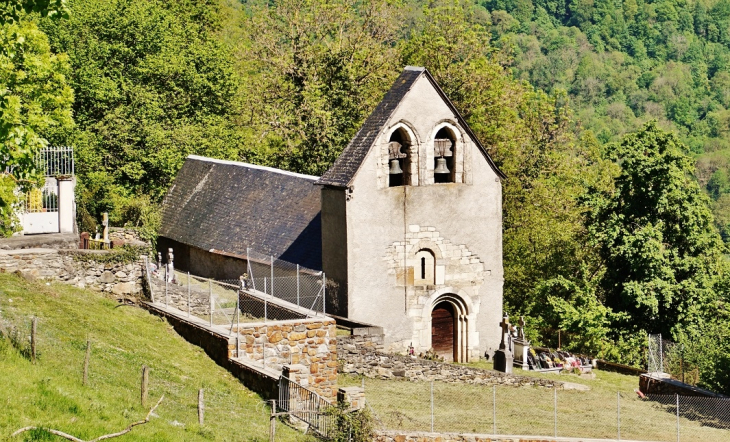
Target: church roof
x,y
226,207
348,163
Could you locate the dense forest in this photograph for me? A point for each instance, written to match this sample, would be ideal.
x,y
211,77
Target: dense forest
x,y
610,119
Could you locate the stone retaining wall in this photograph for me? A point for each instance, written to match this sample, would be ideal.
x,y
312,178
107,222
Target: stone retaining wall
x,y
362,360
309,344
60,265
395,436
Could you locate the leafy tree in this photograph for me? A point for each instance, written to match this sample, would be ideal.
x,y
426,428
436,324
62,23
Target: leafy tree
x,y
12,10
319,67
35,98
153,84
655,233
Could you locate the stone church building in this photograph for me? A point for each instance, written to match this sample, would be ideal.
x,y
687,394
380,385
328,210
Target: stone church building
x,y
407,223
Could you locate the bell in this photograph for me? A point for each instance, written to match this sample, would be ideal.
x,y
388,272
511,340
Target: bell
x,y
395,167
441,166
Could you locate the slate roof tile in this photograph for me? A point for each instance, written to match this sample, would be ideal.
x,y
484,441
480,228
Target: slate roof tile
x,y
229,206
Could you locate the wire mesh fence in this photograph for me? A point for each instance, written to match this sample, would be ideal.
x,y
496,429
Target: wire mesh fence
x,y
545,412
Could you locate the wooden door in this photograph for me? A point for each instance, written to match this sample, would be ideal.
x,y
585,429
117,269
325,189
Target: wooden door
x,y
442,330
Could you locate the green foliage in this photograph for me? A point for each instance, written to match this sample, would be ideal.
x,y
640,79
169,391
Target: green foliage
x,y
153,85
35,99
8,206
317,68
655,234
622,66
127,254
12,10
351,426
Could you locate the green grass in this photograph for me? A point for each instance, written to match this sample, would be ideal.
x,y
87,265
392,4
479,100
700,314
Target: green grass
x,y
124,338
530,410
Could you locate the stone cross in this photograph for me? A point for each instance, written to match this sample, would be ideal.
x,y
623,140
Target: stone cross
x,y
521,333
504,325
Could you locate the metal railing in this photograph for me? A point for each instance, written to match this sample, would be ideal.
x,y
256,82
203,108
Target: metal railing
x,y
306,406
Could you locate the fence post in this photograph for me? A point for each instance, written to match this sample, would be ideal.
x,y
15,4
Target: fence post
x,y
188,294
297,285
677,397
33,338
210,300
661,354
431,406
167,302
272,276
238,324
324,291
494,409
555,411
272,420
618,414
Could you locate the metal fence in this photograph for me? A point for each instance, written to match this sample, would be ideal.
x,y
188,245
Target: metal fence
x,y
306,406
544,412
664,356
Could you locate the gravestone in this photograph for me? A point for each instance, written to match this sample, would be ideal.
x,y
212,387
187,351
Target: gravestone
x,y
503,357
521,346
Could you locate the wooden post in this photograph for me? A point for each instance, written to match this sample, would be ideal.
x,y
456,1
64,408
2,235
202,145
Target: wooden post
x,y
86,363
34,325
201,407
272,422
145,383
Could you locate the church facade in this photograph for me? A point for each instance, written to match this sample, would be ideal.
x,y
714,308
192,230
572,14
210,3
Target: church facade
x,y
412,226
410,221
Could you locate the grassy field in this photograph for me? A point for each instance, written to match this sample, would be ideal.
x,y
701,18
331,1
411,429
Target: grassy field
x,y
531,410
124,338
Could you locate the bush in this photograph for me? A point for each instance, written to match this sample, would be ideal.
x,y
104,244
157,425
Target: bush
x,y
351,426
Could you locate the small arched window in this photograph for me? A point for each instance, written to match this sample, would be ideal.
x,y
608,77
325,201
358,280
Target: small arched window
x,y
399,161
425,271
444,170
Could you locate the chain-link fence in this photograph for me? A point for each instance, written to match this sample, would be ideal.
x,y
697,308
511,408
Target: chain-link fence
x,y
245,300
664,356
538,411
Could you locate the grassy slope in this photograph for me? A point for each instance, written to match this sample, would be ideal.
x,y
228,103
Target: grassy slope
x,y
123,339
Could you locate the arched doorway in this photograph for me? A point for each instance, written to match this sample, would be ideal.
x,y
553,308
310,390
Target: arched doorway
x,y
448,328
442,330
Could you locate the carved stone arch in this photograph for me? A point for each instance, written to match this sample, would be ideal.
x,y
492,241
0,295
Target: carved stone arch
x,y
407,156
454,162
430,245
448,311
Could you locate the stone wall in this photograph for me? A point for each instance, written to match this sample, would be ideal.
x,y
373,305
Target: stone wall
x,y
362,360
308,344
45,241
62,266
400,436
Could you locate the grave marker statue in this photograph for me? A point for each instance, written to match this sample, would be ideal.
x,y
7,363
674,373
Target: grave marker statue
x,y
503,357
521,346
170,266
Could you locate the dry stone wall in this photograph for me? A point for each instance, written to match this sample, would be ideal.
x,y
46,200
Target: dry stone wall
x,y
308,344
363,360
61,265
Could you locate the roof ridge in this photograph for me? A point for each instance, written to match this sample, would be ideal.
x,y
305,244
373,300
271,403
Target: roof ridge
x,y
252,166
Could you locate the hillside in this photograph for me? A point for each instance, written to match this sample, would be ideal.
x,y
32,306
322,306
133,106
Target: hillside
x,y
623,63
50,393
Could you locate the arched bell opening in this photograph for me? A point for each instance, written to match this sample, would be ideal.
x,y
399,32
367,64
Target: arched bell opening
x,y
449,329
444,170
399,161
